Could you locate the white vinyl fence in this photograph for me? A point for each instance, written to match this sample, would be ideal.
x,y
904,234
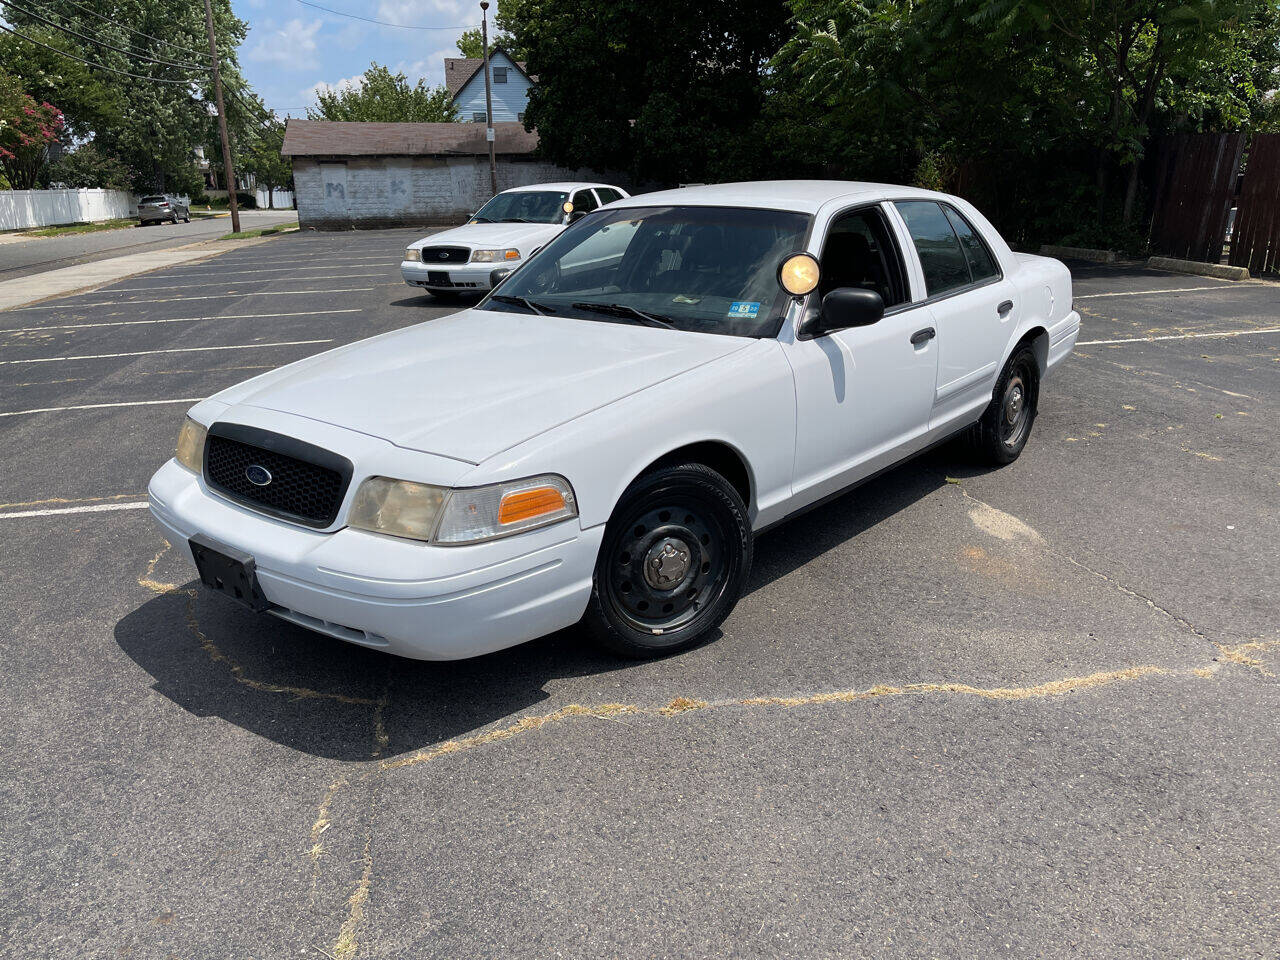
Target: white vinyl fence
x,y
283,199
46,208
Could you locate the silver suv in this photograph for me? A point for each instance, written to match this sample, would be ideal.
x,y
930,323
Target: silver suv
x,y
160,208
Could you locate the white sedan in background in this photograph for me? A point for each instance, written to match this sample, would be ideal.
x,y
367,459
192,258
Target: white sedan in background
x,y
502,234
602,437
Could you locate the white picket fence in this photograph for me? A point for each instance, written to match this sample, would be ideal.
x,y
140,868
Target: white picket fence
x,y
47,208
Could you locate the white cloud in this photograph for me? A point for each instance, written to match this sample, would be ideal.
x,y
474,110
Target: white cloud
x,y
292,46
349,83
412,11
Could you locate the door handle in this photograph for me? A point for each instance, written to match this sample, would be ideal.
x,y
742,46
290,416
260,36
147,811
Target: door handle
x,y
923,336
1004,307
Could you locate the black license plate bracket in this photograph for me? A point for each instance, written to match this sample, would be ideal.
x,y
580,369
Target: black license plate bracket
x,y
228,571
440,277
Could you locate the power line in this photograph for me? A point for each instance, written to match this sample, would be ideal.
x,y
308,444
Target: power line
x,y
102,43
89,10
384,23
70,56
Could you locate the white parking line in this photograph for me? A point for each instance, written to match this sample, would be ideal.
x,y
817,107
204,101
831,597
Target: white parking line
x,y
1143,293
1179,336
215,296
147,353
230,316
100,406
96,508
232,281
323,266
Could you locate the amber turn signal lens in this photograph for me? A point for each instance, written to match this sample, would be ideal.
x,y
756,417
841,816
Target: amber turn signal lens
x,y
799,274
527,504
512,254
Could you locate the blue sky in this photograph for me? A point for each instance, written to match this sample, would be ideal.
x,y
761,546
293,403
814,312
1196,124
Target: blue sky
x,y
293,49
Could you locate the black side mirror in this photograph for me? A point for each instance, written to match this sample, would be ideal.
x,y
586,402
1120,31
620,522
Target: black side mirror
x,y
577,215
844,308
497,275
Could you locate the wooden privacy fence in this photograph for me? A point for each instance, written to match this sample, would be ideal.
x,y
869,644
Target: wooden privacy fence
x,y
1195,176
1255,241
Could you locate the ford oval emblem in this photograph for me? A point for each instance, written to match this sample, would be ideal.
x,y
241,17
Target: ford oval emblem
x,y
444,254
259,476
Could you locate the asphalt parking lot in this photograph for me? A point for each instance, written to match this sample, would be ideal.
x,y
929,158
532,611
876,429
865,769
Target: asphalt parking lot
x,y
961,713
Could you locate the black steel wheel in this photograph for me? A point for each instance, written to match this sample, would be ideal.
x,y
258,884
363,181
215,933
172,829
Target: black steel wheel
x,y
674,561
998,438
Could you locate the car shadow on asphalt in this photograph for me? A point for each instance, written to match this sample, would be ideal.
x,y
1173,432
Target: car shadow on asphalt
x,y
321,696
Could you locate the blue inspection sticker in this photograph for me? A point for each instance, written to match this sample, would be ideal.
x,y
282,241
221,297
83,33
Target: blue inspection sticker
x,y
744,310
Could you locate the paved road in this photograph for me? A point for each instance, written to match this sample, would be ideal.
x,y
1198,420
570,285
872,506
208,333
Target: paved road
x,y
38,254
1029,712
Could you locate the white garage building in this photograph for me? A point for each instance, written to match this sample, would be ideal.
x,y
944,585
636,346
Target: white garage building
x,y
351,175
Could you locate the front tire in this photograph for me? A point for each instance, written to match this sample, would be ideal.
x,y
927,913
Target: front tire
x,y
674,561
998,438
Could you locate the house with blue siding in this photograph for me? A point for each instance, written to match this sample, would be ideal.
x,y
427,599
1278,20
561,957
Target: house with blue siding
x,y
510,83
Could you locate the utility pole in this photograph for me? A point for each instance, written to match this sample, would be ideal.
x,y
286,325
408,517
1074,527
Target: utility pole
x,y
229,171
488,95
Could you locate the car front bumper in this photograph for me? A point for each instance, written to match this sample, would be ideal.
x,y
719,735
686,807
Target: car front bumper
x,y
459,277
402,596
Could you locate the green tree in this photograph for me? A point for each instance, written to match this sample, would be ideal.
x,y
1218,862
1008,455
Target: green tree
x,y
471,44
385,97
263,160
88,166
151,125
667,91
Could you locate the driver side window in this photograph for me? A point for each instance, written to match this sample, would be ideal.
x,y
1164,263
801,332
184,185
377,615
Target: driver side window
x,y
859,252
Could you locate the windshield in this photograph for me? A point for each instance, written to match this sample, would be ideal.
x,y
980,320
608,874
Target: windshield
x,y
524,206
701,269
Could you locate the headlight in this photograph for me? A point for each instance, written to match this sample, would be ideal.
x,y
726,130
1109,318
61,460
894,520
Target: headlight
x,y
190,452
402,508
492,256
398,507
413,254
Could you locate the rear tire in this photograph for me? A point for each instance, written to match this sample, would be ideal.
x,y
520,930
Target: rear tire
x,y
674,561
999,436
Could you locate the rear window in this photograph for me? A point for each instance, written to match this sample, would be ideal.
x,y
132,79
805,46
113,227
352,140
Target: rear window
x,y
153,199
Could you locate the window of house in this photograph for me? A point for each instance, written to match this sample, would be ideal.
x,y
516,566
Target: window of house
x,y
860,252
499,74
944,262
520,116
478,116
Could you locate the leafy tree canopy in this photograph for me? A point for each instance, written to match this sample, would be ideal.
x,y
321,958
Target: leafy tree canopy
x,y
471,44
384,97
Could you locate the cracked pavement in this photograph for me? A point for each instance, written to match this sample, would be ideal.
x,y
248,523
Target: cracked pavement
x,y
1024,712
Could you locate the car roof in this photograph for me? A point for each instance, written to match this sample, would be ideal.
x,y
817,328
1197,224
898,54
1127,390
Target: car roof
x,y
566,186
804,196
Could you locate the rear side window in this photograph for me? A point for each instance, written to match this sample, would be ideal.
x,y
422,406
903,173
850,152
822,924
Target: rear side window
x,y
982,265
608,194
944,262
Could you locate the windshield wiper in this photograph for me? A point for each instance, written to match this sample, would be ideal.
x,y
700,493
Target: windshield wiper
x,y
519,220
481,220
541,309
622,310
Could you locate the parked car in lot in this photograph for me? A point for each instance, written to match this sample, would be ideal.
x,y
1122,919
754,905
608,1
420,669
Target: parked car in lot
x,y
502,233
162,207
603,436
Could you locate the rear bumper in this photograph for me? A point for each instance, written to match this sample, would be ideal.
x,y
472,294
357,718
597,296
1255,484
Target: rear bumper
x,y
401,596
1062,338
462,277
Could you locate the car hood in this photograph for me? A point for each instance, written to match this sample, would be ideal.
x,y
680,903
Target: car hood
x,y
498,235
475,383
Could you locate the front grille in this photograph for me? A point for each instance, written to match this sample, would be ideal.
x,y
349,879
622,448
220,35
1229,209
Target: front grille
x,y
306,483
445,254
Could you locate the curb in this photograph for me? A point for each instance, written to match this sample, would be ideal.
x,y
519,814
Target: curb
x,y
1079,253
1219,270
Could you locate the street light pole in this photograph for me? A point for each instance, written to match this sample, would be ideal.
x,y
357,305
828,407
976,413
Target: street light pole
x,y
488,95
228,170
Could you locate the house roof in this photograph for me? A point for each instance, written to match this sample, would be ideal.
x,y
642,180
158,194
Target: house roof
x,y
458,71
311,138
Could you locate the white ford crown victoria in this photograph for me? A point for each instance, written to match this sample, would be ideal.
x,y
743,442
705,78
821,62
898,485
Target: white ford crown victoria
x,y
599,439
501,235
